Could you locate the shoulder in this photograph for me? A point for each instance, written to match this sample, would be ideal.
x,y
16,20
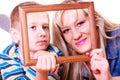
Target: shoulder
x,y
55,50
113,31
10,48
112,45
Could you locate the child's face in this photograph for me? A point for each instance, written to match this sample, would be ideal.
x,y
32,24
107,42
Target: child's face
x,y
38,31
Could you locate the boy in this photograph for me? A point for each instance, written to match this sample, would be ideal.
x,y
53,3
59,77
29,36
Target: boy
x,y
11,60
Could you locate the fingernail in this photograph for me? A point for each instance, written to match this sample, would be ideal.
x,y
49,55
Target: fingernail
x,y
89,54
97,71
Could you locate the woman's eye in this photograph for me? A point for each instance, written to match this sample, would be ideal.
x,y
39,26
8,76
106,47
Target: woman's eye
x,y
80,23
65,31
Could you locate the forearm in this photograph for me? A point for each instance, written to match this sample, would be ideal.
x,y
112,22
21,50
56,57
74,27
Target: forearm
x,y
116,78
42,75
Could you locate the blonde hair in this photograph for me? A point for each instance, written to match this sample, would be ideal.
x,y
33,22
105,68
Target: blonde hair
x,y
14,16
73,71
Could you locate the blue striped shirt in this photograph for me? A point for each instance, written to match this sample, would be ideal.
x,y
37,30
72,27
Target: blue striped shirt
x,y
12,67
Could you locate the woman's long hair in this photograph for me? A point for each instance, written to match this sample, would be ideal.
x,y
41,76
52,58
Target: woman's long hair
x,y
75,71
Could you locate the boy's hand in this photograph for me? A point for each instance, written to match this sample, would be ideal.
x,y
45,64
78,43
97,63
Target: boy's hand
x,y
46,61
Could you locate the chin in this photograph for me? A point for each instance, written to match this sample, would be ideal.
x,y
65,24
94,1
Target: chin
x,y
39,48
42,47
84,50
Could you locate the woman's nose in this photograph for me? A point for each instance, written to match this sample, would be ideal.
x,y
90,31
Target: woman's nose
x,y
76,34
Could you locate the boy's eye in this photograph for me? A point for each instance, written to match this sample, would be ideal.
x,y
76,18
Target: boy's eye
x,y
45,27
33,27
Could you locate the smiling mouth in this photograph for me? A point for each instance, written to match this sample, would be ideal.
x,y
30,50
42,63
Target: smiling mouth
x,y
79,43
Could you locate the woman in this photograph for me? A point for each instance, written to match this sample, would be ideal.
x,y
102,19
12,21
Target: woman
x,y
71,30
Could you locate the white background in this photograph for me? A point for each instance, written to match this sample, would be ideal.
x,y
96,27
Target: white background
x,y
109,8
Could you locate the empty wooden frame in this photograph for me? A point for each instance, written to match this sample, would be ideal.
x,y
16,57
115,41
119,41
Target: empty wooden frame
x,y
23,10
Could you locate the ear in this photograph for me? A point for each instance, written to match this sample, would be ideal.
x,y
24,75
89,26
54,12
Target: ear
x,y
14,35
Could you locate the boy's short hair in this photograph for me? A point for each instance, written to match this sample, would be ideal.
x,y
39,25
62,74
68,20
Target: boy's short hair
x,y
14,17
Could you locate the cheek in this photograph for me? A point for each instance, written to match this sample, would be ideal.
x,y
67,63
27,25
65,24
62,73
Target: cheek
x,y
86,28
31,38
68,38
30,41
48,35
86,31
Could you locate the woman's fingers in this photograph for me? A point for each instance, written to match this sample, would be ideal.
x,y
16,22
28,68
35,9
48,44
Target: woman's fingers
x,y
98,61
98,52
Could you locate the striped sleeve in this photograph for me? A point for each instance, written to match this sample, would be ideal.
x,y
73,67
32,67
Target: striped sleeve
x,y
11,70
58,52
54,49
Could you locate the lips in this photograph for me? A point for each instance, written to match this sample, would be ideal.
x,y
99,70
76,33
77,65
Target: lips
x,y
81,42
41,42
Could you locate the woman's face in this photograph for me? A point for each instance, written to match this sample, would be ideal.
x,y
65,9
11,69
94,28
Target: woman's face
x,y
75,29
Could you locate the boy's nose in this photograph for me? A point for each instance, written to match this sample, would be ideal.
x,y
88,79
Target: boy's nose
x,y
41,32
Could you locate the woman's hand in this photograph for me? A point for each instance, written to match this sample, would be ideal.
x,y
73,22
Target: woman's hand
x,y
99,65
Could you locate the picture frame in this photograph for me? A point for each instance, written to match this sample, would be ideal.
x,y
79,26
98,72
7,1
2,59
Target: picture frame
x,y
23,10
